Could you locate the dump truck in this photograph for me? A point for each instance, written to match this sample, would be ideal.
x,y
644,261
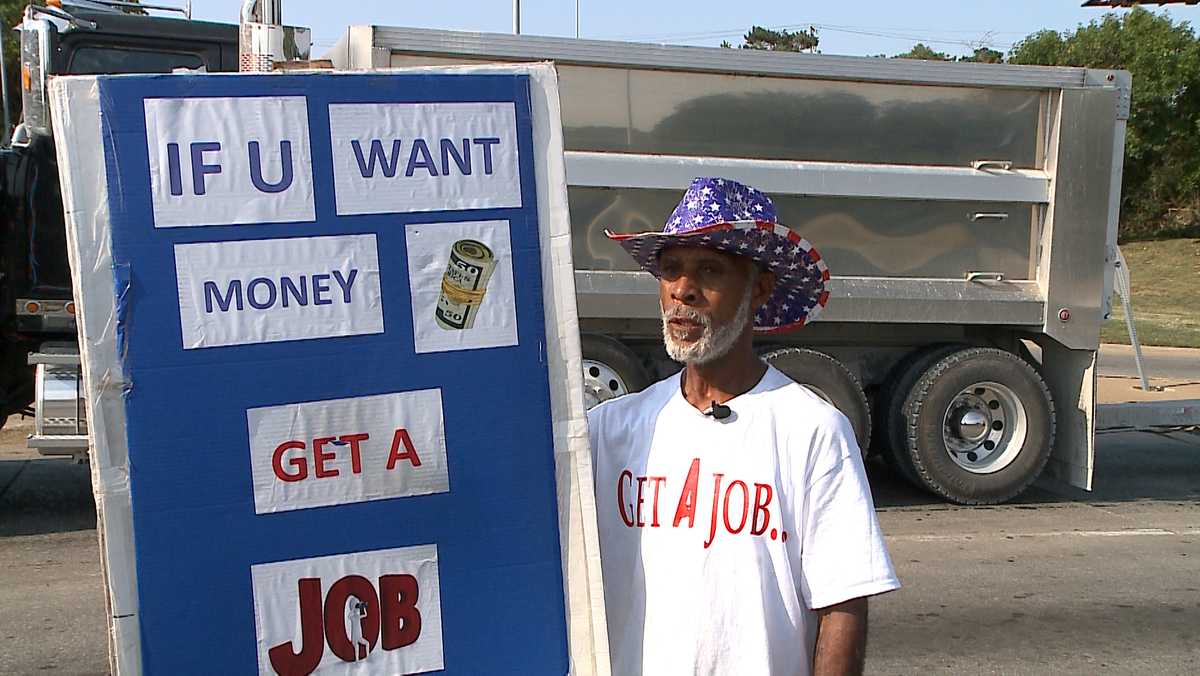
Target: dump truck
x,y
968,213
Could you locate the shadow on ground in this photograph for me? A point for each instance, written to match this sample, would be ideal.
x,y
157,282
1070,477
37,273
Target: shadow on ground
x,y
45,495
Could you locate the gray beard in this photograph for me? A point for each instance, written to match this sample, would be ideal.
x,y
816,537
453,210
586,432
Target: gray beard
x,y
713,343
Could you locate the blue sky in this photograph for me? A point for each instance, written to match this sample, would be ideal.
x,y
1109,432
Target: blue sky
x,y
861,28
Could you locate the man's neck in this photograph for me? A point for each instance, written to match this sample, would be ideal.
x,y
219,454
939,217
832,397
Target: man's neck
x,y
724,378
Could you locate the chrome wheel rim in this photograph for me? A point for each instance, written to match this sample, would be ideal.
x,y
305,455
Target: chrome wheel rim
x,y
984,427
601,382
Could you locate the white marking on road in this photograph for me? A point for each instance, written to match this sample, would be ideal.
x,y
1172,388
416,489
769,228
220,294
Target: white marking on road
x,y
1120,533
965,537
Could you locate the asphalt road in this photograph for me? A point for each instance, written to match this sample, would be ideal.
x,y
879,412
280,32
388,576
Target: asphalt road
x,y
52,616
1058,582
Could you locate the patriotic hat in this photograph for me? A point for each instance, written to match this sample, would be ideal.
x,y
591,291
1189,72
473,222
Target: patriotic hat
x,y
728,216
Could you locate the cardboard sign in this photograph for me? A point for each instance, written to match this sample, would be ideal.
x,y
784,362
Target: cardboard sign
x,y
336,358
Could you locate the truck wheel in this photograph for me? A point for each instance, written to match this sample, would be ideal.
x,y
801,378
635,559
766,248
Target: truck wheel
x,y
980,426
609,369
830,380
893,427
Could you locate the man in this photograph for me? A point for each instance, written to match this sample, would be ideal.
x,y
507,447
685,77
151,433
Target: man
x,y
737,531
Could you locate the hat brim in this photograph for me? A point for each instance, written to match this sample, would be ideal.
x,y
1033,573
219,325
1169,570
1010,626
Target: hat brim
x,y
802,277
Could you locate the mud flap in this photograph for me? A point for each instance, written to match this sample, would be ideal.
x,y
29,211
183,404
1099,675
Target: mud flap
x,y
1071,377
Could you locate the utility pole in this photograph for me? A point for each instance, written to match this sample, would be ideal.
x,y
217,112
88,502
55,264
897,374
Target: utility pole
x,y
516,17
576,19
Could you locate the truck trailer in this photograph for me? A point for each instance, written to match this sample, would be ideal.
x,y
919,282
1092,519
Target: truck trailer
x,y
968,213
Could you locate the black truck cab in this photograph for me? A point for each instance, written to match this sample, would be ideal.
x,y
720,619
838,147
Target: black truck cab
x,y
37,314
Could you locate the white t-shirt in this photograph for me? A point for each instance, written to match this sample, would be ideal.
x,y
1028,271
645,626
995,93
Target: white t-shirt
x,y
696,585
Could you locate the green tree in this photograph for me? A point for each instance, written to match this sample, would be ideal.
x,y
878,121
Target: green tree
x,y
984,55
778,40
1161,191
1043,48
923,51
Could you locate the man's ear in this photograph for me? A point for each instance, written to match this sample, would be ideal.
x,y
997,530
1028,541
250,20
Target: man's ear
x,y
764,286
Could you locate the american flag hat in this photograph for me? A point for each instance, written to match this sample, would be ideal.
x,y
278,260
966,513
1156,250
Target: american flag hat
x,y
722,214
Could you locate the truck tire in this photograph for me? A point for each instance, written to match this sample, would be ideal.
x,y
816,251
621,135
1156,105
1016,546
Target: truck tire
x,y
609,369
830,380
893,419
980,426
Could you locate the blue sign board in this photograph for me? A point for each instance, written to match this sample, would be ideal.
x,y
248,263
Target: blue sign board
x,y
329,308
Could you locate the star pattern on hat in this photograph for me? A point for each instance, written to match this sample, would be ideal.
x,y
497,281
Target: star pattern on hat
x,y
729,216
711,201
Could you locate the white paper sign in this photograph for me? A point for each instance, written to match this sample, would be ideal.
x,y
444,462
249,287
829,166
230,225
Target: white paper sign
x,y
377,612
267,290
406,157
341,451
445,258
221,161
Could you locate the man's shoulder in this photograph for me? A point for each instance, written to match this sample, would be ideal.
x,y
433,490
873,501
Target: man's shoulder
x,y
629,406
799,404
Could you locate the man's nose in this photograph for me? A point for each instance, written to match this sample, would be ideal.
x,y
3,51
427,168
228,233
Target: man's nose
x,y
683,289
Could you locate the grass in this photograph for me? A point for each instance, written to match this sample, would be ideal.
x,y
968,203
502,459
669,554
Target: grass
x,y
1166,294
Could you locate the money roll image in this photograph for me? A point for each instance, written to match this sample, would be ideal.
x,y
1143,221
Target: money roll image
x,y
464,284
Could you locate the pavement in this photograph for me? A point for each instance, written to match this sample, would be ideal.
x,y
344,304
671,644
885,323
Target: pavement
x,y
1060,581
52,616
1162,362
1173,372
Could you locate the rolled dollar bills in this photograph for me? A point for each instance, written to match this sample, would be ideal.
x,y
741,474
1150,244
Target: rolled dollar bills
x,y
464,284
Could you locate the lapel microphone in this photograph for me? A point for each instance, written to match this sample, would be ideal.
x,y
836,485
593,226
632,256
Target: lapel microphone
x,y
719,411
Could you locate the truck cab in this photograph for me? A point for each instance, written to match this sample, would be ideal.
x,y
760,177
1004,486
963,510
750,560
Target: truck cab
x,y
38,352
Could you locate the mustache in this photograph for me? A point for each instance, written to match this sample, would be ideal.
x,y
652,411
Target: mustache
x,y
685,312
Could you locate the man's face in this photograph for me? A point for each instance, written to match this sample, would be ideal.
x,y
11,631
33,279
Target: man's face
x,y
708,298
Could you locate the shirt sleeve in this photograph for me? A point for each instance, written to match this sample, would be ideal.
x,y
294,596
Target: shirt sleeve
x,y
843,553
594,423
